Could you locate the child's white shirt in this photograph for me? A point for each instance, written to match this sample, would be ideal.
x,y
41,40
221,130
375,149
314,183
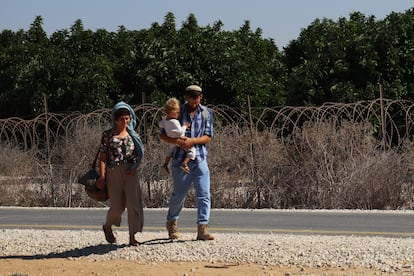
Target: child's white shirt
x,y
173,128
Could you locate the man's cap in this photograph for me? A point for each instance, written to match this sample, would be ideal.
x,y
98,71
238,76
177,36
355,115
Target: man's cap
x,y
193,90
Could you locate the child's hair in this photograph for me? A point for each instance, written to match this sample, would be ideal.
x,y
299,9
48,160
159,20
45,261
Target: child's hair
x,y
172,104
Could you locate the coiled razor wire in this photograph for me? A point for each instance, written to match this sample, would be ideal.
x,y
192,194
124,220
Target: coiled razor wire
x,y
398,120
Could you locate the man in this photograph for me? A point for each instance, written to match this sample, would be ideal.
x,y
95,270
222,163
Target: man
x,y
198,134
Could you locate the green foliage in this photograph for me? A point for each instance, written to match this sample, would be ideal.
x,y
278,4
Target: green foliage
x,y
84,70
343,61
78,69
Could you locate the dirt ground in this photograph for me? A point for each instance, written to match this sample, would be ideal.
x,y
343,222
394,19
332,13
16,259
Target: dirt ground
x,y
74,267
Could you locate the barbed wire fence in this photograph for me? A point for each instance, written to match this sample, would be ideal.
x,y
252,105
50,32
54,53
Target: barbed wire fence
x,y
253,155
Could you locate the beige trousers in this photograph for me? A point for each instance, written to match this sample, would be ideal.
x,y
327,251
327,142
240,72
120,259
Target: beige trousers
x,y
124,192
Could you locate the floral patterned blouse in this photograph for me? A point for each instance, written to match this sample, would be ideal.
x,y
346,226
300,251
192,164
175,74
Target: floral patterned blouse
x,y
119,150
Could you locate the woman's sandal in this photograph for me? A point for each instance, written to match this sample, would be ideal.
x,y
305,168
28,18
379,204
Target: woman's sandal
x,y
133,242
109,235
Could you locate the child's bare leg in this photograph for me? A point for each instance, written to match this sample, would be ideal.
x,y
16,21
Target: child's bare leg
x,y
164,168
167,160
184,165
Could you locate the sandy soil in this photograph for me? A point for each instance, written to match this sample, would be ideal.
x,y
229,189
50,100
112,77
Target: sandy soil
x,y
76,267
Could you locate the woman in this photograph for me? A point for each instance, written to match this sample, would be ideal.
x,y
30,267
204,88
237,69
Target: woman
x,y
121,153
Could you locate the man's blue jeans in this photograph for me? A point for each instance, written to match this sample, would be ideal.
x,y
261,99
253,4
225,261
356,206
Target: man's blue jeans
x,y
200,176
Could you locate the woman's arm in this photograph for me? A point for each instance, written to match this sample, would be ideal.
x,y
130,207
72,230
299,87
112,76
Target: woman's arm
x,y
100,183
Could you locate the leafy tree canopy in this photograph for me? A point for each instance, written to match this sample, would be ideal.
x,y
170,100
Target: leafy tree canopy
x,y
330,61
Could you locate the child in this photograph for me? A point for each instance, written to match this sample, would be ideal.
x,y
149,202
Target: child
x,y
173,129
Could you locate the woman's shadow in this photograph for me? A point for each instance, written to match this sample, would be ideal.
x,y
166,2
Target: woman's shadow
x,y
100,249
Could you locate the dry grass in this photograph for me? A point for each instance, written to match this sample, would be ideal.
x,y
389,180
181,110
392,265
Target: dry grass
x,y
289,158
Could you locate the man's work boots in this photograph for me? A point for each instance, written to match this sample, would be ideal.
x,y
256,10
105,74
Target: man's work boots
x,y
172,229
202,233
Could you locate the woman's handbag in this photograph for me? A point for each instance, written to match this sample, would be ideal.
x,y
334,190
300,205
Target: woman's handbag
x,y
89,180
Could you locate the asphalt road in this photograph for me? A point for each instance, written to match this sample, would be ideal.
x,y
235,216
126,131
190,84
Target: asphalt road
x,y
377,223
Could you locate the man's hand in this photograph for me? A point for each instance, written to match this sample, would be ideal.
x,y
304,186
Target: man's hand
x,y
185,143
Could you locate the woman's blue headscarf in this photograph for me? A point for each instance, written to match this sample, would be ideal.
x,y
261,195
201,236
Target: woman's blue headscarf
x,y
139,146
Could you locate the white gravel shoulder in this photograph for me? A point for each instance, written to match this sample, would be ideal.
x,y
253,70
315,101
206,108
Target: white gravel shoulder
x,y
386,254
